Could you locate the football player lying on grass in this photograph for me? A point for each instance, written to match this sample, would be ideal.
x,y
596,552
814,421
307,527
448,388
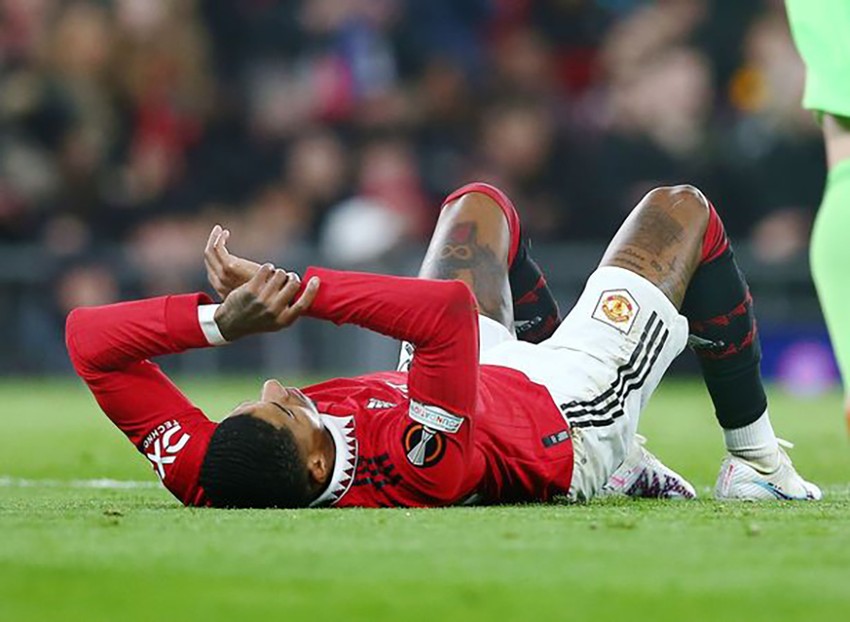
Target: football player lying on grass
x,y
478,415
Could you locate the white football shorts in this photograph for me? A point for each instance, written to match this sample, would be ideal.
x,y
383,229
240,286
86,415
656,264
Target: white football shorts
x,y
600,366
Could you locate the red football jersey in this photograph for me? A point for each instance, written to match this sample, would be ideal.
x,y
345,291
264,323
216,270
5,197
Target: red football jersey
x,y
519,451
448,431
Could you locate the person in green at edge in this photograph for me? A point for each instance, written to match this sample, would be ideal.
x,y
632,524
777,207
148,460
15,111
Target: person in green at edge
x,y
821,31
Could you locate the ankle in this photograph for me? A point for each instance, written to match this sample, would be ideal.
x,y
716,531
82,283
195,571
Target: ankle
x,y
765,463
755,443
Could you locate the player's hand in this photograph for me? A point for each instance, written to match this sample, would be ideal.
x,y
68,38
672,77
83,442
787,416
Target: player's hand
x,y
226,272
265,303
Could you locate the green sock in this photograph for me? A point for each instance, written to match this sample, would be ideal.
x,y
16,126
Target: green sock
x,y
830,260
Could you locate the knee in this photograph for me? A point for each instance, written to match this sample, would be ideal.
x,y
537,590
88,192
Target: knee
x,y
685,202
477,198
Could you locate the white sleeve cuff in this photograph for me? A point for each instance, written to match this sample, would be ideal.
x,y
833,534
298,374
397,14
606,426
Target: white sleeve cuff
x,y
206,318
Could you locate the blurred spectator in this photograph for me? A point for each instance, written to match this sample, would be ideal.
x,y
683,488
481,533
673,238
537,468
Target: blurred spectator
x,y
390,206
131,126
779,165
120,111
86,286
657,131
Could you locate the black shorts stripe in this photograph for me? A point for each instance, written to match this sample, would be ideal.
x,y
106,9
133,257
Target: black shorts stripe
x,y
621,371
603,409
618,408
579,411
601,404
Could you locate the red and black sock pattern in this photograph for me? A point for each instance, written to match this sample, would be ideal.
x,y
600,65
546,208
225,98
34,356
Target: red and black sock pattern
x,y
720,314
536,311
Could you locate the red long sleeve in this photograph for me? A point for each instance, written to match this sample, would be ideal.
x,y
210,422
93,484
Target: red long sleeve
x,y
424,443
438,317
113,336
109,347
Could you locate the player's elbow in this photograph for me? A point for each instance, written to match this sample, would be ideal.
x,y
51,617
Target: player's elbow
x,y
74,325
459,301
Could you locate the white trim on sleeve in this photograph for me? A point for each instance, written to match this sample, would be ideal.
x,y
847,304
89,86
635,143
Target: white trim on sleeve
x,y
206,318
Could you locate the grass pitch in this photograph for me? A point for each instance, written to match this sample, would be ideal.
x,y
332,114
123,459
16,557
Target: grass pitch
x,y
71,551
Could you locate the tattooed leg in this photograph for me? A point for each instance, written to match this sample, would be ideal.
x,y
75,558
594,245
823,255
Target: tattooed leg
x,y
471,242
675,238
662,238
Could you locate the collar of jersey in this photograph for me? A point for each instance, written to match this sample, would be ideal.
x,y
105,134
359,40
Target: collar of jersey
x,y
345,462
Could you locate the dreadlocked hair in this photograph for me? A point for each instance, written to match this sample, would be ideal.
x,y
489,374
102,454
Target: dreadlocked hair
x,y
252,464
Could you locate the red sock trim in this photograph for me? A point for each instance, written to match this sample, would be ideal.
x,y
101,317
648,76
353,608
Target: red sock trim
x,y
502,201
725,319
531,296
715,242
732,349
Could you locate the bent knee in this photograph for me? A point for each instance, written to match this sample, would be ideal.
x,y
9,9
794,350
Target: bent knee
x,y
684,201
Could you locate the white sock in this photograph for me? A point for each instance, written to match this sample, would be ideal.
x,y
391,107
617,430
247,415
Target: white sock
x,y
756,443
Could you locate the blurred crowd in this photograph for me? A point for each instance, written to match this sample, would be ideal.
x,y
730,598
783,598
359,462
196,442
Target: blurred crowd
x,y
138,124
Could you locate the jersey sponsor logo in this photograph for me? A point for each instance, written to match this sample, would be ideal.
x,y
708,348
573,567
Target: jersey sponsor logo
x,y
165,449
423,447
376,404
435,417
617,308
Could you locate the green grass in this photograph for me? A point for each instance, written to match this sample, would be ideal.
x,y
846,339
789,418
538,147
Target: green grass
x,y
74,553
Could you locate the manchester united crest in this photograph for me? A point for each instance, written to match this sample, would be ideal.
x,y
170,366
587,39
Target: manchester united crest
x,y
617,308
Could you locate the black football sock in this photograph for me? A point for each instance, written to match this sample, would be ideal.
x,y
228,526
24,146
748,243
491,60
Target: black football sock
x,y
536,311
724,334
720,315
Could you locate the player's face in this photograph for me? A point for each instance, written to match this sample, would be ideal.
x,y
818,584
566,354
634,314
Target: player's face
x,y
286,408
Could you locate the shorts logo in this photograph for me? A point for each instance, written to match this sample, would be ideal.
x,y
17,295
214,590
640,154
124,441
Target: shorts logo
x,y
424,447
164,452
617,308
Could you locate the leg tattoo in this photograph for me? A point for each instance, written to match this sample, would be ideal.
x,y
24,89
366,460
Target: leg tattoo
x,y
662,238
463,256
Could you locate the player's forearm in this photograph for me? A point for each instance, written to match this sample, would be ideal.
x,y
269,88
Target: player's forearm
x,y
438,317
421,311
114,336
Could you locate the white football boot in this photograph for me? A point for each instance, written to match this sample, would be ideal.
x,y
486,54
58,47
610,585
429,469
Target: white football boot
x,y
739,479
643,475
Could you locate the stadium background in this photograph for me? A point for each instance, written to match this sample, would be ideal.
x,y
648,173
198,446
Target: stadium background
x,y
328,131
322,131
